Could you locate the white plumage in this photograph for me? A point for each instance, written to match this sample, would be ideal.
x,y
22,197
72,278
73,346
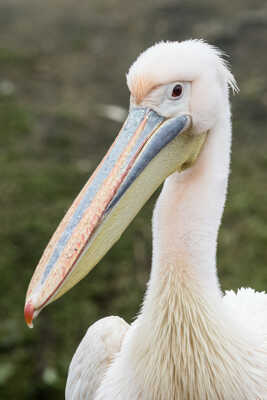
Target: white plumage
x,y
93,357
189,342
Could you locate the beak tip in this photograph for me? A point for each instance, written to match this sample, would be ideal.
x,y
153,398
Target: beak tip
x,y
29,313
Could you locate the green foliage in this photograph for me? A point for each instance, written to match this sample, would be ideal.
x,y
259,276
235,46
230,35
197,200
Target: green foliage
x,y
54,75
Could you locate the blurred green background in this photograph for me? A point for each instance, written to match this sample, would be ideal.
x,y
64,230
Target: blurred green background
x,y
60,62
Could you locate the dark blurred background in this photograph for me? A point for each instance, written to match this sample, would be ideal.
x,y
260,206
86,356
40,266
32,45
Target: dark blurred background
x,y
62,67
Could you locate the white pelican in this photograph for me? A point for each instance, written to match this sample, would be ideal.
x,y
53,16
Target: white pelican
x,y
189,341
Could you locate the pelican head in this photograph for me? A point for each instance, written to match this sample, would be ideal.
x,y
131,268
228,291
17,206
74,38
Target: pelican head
x,y
177,91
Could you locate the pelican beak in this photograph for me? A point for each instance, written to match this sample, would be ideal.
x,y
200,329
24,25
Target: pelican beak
x,y
147,150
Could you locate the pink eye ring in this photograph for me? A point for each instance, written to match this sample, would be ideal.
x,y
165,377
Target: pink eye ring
x,y
177,90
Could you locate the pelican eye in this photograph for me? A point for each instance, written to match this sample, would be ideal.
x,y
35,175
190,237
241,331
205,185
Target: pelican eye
x,y
177,90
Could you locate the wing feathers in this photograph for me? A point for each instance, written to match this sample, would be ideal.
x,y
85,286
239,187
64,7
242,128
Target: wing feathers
x,y
93,356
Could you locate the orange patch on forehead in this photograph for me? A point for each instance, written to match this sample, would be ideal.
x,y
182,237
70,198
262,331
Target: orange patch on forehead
x,y
140,86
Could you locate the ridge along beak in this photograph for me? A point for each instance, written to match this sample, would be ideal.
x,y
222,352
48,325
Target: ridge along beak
x,y
147,149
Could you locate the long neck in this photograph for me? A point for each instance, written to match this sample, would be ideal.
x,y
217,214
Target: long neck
x,y
187,218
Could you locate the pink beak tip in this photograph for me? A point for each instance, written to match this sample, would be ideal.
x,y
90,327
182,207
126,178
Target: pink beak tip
x,y
29,313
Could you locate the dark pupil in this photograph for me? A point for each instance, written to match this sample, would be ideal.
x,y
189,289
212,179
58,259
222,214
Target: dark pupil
x,y
177,91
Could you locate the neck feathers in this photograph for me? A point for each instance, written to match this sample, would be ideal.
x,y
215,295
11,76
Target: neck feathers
x,y
188,215
190,348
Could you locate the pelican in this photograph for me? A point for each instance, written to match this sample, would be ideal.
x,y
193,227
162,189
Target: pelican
x,y
189,341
